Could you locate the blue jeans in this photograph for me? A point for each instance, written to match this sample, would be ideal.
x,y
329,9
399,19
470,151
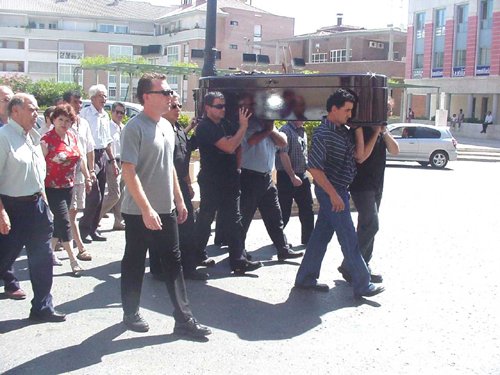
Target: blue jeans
x,y
327,224
32,228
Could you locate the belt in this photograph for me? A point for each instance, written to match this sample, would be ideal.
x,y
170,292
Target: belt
x,y
250,171
25,198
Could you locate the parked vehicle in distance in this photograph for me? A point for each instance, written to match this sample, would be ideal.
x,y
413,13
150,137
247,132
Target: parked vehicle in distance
x,y
131,109
425,144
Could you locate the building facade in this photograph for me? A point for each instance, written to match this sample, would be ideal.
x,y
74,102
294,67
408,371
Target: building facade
x,y
46,39
454,46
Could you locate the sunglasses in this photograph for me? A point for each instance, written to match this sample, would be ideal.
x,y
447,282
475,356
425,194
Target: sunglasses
x,y
120,112
163,92
174,106
218,106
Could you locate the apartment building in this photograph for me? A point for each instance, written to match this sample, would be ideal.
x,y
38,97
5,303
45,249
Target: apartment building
x,y
46,39
455,47
346,49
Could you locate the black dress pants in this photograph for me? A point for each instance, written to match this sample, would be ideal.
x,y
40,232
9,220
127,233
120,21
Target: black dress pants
x,y
166,244
259,191
93,201
224,198
303,197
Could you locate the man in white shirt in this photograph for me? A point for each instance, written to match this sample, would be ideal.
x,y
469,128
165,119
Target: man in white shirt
x,y
98,120
112,200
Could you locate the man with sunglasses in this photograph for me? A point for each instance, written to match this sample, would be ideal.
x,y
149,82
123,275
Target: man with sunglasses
x,y
219,180
112,201
148,208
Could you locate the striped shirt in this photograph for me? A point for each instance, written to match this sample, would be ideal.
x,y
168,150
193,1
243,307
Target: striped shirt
x,y
296,148
332,151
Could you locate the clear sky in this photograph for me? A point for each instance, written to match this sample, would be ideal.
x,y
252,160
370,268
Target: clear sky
x,y
311,15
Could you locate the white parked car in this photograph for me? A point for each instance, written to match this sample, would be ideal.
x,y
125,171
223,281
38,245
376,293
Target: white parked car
x,y
131,109
425,144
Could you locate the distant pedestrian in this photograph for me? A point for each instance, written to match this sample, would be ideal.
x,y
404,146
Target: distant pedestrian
x,y
460,118
411,115
454,121
148,208
488,120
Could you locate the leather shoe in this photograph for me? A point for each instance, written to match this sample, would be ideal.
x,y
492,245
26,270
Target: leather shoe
x,y
96,237
86,240
347,277
289,254
51,317
16,294
191,328
372,291
376,278
207,262
316,287
135,322
246,266
119,226
195,275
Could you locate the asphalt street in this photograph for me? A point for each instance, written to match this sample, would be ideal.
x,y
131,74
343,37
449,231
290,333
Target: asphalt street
x,y
437,250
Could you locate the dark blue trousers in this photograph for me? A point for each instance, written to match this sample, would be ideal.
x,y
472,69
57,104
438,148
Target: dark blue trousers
x,y
32,228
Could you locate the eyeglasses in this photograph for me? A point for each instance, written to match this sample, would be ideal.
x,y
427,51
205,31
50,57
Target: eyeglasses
x,y
163,92
120,112
218,106
174,106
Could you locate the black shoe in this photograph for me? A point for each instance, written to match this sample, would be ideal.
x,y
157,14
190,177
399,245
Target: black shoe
x,y
246,266
347,277
316,287
96,237
376,278
51,317
372,291
135,322
86,240
207,262
191,328
195,275
289,254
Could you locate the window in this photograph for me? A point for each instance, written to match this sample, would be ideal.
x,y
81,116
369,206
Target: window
x,y
66,73
427,133
483,56
439,25
438,59
485,14
121,51
462,14
112,85
233,46
233,23
460,57
173,82
52,26
173,55
339,55
257,33
11,44
11,66
420,25
419,61
118,29
319,57
124,87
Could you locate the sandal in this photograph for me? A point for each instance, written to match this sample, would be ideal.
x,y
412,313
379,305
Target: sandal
x,y
84,255
76,268
55,260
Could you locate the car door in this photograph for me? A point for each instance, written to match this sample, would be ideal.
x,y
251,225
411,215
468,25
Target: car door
x,y
429,140
408,143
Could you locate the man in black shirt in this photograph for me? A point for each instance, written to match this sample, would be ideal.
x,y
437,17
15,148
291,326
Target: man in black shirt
x,y
219,179
366,192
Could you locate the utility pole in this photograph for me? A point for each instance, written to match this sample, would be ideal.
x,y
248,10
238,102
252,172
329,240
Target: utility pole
x,y
210,38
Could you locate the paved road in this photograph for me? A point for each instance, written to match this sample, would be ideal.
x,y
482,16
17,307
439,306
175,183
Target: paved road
x,y
437,249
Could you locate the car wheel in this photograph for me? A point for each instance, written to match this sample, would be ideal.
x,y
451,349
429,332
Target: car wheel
x,y
439,159
423,163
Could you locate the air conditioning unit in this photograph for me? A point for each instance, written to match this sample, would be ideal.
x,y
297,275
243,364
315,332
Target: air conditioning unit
x,y
380,45
372,44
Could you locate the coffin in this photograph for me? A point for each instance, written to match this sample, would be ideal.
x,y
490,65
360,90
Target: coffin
x,y
299,96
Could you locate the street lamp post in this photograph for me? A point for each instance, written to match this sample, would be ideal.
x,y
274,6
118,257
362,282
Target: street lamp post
x,y
210,37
